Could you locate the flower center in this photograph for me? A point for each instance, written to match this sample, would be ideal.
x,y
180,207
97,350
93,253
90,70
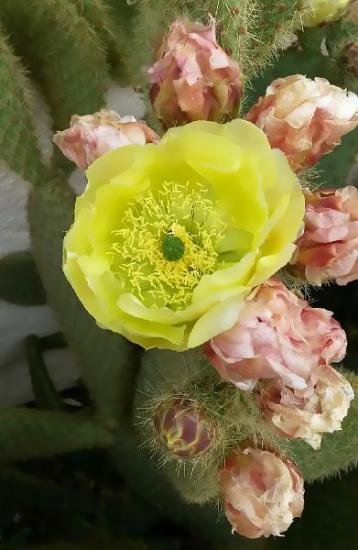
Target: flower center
x,y
173,248
166,242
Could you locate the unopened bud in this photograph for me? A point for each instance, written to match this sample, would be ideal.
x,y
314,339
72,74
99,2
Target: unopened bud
x,y
182,428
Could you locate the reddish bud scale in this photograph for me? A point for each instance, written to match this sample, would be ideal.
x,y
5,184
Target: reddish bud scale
x,y
182,428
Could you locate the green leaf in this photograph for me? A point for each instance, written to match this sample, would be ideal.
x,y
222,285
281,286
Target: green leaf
x,y
303,58
56,340
20,282
29,433
45,393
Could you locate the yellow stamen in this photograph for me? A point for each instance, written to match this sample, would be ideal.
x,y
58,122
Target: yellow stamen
x,y
183,211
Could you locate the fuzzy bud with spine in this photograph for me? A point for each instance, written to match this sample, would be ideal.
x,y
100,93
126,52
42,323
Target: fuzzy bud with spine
x,y
183,429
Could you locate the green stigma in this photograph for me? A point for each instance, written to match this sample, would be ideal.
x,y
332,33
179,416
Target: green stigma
x,y
172,247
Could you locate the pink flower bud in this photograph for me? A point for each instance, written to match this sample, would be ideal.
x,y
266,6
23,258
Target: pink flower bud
x,y
305,118
262,493
310,413
183,429
91,136
193,78
328,248
277,335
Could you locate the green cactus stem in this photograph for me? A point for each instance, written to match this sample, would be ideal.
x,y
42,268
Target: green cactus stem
x,y
63,53
28,433
17,140
103,356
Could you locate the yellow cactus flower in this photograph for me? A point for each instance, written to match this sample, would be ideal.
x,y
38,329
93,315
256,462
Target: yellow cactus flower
x,y
322,11
169,239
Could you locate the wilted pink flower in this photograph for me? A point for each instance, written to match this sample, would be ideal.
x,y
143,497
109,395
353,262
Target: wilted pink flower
x,y
310,413
305,118
91,136
277,335
262,493
182,428
193,78
328,248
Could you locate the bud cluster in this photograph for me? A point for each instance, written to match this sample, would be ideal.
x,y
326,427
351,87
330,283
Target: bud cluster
x,y
281,340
